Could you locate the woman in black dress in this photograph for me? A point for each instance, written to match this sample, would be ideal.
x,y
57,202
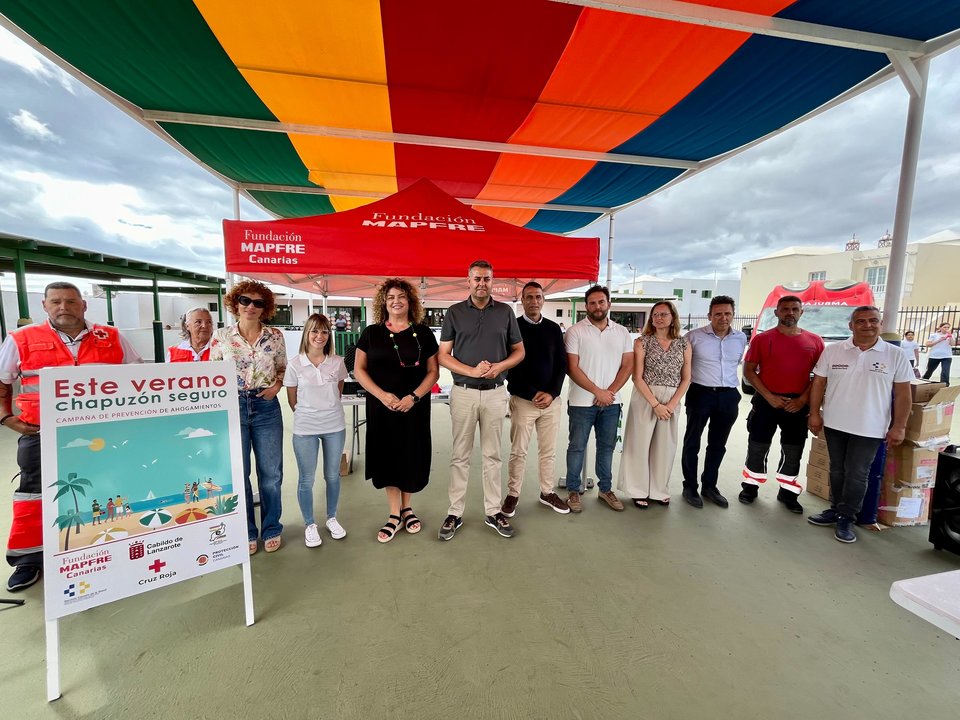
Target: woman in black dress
x,y
396,363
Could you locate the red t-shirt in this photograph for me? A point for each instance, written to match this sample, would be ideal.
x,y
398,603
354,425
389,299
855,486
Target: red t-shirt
x,y
784,362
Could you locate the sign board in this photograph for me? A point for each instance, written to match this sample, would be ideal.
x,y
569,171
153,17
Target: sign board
x,y
142,482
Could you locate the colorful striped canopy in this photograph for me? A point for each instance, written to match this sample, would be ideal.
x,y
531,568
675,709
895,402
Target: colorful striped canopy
x,y
544,113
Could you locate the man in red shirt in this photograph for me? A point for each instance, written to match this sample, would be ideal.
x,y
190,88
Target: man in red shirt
x,y
778,365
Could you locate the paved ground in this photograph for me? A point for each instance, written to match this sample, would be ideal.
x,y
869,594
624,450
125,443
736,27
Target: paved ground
x,y
667,613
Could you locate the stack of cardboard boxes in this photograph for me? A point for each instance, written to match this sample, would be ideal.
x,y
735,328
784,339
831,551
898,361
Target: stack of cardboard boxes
x,y
911,468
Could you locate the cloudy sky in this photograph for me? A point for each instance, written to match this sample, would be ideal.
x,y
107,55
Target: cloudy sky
x,y
77,171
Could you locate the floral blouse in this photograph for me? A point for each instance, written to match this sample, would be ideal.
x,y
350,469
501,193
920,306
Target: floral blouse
x,y
662,367
258,365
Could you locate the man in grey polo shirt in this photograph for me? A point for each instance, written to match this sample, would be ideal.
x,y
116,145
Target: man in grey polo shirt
x,y
479,342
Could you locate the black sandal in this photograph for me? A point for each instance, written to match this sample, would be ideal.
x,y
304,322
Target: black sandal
x,y
409,519
389,529
641,503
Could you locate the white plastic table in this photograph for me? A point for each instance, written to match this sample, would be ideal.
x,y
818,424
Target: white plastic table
x,y
935,598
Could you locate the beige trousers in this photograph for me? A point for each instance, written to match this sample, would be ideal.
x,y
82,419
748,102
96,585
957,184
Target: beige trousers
x,y
649,448
469,408
525,417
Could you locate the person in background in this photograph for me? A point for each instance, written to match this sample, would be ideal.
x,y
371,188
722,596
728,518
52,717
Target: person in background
x,y
778,366
910,348
479,343
196,328
661,376
940,352
713,399
534,386
850,404
66,338
396,363
314,382
260,355
599,362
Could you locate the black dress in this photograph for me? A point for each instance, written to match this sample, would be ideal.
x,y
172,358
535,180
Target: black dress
x,y
399,448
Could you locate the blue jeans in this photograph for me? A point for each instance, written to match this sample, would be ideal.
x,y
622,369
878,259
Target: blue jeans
x,y
306,447
604,421
850,459
261,430
944,364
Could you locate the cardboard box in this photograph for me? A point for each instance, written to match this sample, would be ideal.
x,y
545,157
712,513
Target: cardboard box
x,y
818,481
934,418
903,506
818,456
911,466
922,390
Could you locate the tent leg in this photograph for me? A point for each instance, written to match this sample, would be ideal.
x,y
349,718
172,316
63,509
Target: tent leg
x,y
610,253
908,178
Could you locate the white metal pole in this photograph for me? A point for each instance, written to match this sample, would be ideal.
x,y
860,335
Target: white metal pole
x,y
908,178
610,253
53,660
247,592
231,277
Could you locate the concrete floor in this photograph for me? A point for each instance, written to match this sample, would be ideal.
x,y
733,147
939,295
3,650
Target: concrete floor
x,y
742,613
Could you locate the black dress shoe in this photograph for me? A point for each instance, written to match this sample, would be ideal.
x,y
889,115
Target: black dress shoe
x,y
692,498
748,494
714,496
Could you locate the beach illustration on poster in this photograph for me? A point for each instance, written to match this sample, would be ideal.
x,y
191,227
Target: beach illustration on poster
x,y
117,480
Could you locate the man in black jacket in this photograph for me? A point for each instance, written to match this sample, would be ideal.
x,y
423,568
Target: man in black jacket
x,y
534,386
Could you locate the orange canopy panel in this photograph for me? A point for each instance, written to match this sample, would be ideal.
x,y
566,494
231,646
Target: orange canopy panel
x,y
419,233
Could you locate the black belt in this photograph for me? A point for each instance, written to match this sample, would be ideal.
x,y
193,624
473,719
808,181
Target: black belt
x,y
479,386
712,389
253,393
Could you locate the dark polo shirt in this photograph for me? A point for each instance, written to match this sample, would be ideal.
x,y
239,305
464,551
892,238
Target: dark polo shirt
x,y
477,335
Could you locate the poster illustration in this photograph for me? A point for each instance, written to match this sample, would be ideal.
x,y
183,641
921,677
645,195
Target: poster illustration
x,y
140,485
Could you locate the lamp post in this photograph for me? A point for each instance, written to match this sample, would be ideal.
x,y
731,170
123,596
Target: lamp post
x,y
633,284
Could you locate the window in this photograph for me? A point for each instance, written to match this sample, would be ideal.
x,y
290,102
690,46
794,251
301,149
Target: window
x,y
706,294
876,277
678,292
560,312
212,307
818,275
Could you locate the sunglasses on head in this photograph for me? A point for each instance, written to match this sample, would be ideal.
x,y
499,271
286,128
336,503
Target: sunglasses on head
x,y
244,300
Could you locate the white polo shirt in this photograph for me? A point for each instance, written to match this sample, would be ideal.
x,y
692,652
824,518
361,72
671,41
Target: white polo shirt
x,y
600,355
318,396
860,386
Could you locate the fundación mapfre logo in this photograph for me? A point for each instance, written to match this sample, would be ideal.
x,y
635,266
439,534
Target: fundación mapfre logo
x,y
218,534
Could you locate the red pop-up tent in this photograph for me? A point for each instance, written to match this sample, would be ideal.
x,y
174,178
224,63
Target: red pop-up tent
x,y
419,233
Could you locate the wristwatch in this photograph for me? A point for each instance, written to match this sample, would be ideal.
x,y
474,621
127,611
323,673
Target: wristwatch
x,y
416,398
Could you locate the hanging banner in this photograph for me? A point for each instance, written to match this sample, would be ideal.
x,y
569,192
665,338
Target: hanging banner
x,y
142,482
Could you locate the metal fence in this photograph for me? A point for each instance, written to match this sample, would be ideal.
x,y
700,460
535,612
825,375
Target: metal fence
x,y
689,322
925,320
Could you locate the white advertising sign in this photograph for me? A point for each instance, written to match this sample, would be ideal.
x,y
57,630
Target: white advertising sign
x,y
140,486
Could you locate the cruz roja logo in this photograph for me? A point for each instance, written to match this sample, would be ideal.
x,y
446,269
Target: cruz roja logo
x,y
157,566
74,589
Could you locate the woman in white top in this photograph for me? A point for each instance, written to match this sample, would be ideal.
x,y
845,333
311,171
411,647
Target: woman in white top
x,y
314,382
910,348
940,352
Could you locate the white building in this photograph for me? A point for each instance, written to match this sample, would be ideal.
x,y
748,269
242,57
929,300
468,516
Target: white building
x,y
692,295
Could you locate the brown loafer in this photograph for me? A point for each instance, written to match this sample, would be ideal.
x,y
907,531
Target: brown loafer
x,y
573,501
610,499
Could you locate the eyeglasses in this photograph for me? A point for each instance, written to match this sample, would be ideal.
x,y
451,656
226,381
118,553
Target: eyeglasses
x,y
259,304
661,315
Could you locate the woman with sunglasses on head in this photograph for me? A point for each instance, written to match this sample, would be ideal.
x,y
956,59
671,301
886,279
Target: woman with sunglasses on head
x,y
661,376
396,363
261,358
314,382
196,329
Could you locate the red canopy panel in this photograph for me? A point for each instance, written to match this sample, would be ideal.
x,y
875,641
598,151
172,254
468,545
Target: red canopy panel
x,y
419,233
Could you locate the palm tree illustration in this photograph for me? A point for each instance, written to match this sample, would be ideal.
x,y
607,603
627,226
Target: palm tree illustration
x,y
68,522
74,485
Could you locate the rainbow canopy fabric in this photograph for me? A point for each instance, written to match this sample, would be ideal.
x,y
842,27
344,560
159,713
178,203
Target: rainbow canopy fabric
x,y
420,233
546,113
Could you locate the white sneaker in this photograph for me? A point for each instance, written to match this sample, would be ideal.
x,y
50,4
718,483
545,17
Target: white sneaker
x,y
336,529
311,536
